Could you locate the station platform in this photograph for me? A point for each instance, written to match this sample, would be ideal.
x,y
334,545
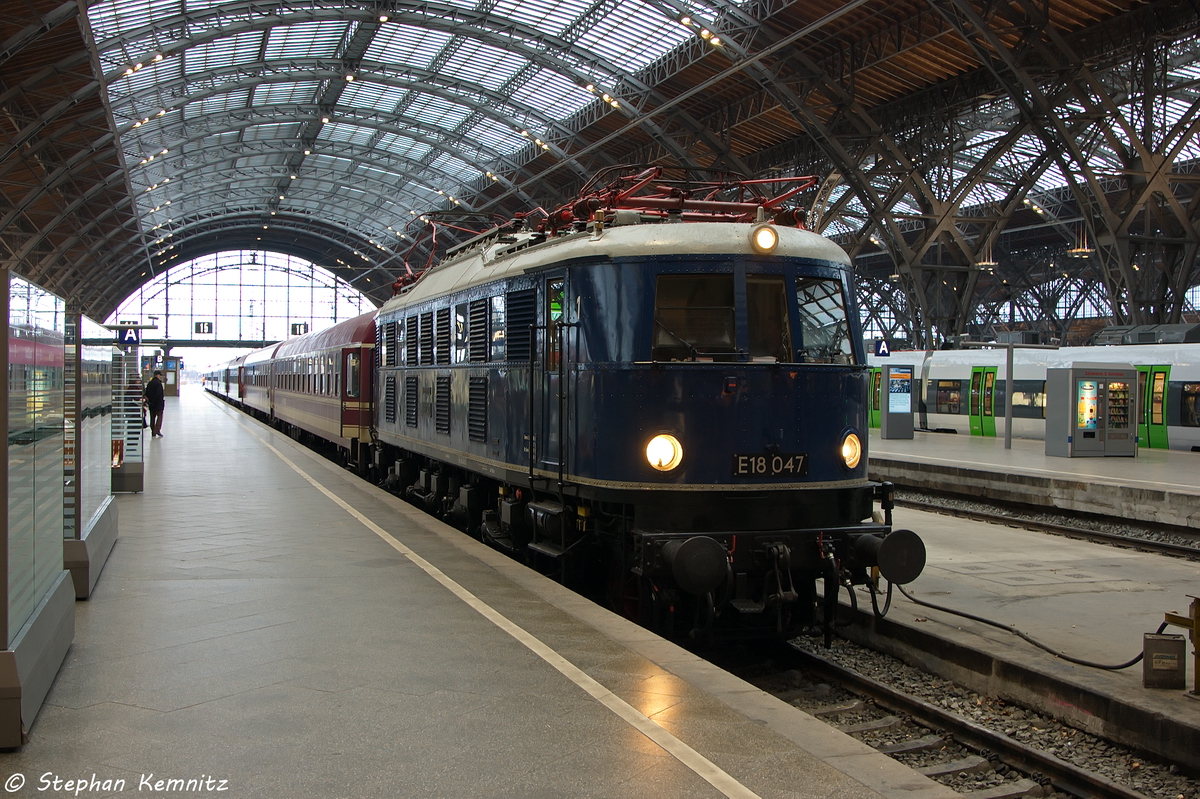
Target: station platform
x,y
1158,486
1088,601
270,625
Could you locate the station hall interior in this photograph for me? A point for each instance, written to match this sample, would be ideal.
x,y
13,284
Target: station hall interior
x,y
1003,197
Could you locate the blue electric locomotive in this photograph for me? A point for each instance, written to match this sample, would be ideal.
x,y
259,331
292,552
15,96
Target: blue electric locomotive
x,y
658,394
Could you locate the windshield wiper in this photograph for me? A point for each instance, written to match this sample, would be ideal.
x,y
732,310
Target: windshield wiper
x,y
695,352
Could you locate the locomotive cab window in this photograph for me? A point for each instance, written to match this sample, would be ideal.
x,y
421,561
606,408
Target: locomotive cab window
x,y
824,331
694,318
767,319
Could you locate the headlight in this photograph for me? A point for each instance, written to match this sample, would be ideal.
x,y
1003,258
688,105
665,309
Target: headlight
x,y
764,239
664,452
851,450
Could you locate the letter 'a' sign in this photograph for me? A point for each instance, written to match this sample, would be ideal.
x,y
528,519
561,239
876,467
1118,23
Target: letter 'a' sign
x,y
129,337
882,350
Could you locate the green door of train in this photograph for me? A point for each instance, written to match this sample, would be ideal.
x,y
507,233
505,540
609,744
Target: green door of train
x,y
1152,389
983,401
876,377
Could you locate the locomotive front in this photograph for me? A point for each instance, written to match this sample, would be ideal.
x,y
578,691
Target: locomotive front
x,y
717,419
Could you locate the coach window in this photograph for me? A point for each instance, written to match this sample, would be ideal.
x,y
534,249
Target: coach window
x,y
1189,405
949,396
824,331
1029,399
767,319
694,318
352,376
554,315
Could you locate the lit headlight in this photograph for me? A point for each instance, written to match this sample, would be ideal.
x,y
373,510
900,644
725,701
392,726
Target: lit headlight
x,y
764,239
851,450
664,452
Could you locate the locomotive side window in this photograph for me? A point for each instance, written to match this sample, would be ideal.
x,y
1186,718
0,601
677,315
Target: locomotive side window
x,y
497,338
824,332
767,318
694,318
460,333
554,314
352,376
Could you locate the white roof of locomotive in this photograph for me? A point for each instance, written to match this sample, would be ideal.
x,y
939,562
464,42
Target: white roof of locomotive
x,y
496,259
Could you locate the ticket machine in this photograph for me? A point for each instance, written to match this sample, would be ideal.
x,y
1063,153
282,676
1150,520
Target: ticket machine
x,y
1091,411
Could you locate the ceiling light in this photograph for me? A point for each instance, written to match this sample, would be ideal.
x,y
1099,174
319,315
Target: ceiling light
x,y
325,120
293,177
685,21
349,77
158,56
715,41
383,17
705,33
590,88
308,152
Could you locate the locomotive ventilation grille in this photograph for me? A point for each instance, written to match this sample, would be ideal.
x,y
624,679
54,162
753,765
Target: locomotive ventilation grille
x,y
427,338
522,314
477,409
412,336
441,413
389,398
477,331
410,401
443,336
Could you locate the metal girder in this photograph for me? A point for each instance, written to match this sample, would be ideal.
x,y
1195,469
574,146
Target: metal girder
x,y
1077,100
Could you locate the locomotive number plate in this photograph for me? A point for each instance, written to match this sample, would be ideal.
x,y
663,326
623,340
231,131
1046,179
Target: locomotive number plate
x,y
768,464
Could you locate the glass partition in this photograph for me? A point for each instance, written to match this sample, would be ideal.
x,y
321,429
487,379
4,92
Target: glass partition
x,y
36,336
87,430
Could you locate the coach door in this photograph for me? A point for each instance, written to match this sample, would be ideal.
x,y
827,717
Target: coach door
x,y
876,378
1152,387
983,401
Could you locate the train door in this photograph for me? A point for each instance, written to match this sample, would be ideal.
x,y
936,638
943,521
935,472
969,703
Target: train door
x,y
241,389
1152,387
552,371
876,378
983,401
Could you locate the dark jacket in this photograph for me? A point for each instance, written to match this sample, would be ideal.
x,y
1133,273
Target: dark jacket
x,y
154,393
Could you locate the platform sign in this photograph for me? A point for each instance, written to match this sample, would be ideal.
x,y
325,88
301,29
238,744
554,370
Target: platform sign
x,y
204,327
299,328
882,350
128,337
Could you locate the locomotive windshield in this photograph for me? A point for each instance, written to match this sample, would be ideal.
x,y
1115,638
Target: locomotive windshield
x,y
696,318
824,332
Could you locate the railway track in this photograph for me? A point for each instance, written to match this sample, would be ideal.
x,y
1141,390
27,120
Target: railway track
x,y
1145,540
976,759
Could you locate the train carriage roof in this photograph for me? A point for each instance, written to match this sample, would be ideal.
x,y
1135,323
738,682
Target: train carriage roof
x,y
353,332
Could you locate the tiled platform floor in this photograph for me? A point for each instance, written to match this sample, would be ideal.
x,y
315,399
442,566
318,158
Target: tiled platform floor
x,y
249,628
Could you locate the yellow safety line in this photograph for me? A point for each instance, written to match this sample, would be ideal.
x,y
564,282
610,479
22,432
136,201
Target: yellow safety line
x,y
686,755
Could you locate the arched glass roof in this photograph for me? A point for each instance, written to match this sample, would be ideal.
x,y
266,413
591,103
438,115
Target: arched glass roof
x,y
365,115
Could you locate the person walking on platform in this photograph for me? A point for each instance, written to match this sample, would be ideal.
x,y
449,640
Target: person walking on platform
x,y
153,396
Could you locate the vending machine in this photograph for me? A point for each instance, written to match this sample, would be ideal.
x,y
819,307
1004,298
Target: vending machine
x,y
1091,411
